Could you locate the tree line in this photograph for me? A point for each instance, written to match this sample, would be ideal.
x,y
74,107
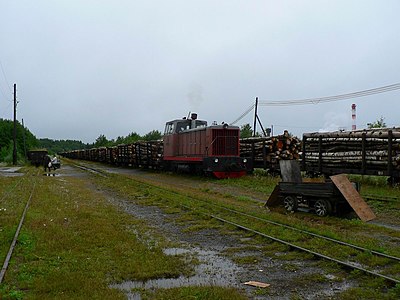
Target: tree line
x,y
58,146
25,141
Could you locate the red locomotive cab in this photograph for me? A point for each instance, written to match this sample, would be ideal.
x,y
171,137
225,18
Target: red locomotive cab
x,y
178,145
192,145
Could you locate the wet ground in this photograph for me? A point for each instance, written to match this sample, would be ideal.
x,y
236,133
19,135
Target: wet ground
x,y
217,253
216,267
10,171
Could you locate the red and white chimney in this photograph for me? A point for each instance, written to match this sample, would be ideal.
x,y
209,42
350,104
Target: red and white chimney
x,y
353,117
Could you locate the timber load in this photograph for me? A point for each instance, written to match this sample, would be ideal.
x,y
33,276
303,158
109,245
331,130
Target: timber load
x,y
370,152
139,154
267,151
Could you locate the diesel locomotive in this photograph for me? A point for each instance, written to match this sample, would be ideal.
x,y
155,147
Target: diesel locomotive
x,y
190,144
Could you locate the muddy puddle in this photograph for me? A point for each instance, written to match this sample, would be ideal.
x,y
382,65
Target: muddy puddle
x,y
212,270
52,174
10,171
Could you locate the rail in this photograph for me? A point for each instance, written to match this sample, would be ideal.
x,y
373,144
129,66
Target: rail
x,y
197,208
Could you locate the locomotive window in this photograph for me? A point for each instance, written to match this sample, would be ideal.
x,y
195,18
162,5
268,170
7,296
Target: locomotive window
x,y
182,126
169,128
201,124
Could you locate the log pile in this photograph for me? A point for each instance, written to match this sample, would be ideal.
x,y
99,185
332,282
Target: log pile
x,y
139,154
270,149
364,149
148,154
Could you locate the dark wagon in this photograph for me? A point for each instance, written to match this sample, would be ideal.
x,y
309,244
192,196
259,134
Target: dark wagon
x,y
36,156
336,196
323,197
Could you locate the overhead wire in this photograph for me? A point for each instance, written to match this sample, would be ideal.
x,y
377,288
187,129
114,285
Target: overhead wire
x,y
379,90
3,93
5,77
319,100
246,112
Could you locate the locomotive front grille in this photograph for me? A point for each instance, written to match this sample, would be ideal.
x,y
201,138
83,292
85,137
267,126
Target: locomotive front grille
x,y
225,142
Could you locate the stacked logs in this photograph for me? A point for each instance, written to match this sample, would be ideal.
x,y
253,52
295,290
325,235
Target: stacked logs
x,y
364,149
149,153
138,154
270,149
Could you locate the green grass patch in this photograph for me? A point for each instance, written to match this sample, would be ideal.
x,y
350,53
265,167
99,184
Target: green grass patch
x,y
74,244
198,293
371,289
246,260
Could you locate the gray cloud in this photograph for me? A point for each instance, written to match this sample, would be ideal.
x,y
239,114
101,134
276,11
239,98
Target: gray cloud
x,y
116,67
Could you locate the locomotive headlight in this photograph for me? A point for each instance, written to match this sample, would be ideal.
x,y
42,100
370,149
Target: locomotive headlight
x,y
245,160
216,160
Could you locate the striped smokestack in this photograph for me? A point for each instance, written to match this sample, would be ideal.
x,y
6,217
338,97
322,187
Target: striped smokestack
x,y
353,117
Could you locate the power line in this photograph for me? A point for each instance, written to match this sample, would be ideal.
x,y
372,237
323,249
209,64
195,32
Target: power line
x,y
5,77
364,93
4,94
247,111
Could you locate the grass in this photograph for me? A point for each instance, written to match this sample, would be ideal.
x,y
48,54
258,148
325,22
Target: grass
x,y
353,231
250,259
78,213
197,293
74,244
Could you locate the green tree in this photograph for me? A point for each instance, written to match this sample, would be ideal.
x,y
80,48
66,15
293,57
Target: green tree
x,y
246,131
58,146
380,123
25,140
132,137
152,135
101,141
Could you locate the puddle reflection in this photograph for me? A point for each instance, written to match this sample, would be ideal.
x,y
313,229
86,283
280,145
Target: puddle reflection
x,y
213,270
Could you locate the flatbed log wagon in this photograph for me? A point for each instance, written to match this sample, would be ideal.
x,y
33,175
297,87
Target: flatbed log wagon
x,y
363,152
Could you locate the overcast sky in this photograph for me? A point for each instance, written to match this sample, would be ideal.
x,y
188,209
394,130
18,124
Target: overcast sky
x,y
90,67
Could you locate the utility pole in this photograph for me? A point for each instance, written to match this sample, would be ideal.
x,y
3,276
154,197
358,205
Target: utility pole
x,y
15,126
255,117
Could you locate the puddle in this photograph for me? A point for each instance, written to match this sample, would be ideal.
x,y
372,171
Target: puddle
x,y
10,171
213,270
175,251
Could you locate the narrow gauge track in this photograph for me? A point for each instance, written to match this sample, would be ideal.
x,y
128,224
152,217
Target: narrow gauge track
x,y
17,231
366,196
276,239
381,198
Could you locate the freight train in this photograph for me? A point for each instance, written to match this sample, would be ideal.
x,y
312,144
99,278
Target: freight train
x,y
188,144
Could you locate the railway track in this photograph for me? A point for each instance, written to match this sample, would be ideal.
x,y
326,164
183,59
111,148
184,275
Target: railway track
x,y
19,226
381,198
299,239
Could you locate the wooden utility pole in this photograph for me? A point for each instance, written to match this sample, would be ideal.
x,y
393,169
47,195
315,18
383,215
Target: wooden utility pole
x,y
15,126
255,117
